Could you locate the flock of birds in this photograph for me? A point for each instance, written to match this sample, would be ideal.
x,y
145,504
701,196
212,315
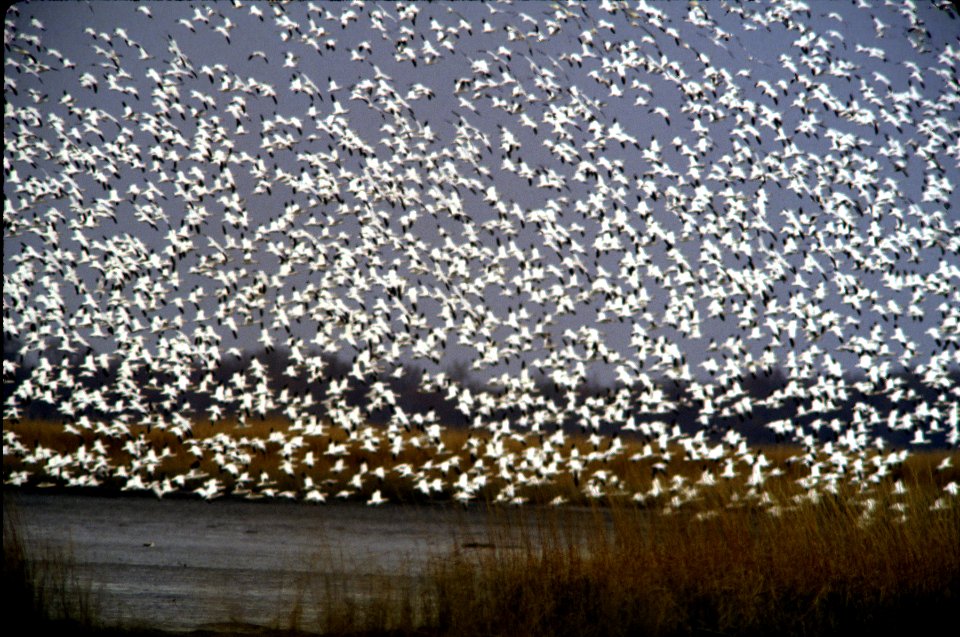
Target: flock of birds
x,y
546,193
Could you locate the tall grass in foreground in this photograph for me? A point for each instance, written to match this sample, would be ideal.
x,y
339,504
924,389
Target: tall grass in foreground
x,y
817,569
829,567
41,591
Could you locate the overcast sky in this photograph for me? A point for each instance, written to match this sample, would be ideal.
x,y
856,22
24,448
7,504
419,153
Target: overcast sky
x,y
761,142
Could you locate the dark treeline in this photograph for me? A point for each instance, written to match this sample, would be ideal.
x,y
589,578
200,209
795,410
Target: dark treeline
x,y
681,406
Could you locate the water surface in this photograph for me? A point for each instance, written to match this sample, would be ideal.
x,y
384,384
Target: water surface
x,y
179,564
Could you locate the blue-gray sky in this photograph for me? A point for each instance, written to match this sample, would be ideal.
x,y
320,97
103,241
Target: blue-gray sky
x,y
605,191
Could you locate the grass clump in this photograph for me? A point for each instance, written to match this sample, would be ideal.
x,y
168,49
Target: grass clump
x,y
814,570
42,591
824,567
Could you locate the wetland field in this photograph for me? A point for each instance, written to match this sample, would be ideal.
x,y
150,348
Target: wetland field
x,y
106,561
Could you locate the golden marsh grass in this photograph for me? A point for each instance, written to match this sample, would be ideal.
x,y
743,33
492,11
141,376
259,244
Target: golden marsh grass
x,y
622,475
880,556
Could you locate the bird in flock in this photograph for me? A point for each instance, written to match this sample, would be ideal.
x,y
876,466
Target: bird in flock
x,y
612,195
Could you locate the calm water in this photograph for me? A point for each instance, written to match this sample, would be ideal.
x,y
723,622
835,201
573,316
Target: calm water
x,y
187,564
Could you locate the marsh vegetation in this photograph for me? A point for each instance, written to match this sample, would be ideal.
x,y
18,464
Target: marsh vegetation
x,y
816,568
